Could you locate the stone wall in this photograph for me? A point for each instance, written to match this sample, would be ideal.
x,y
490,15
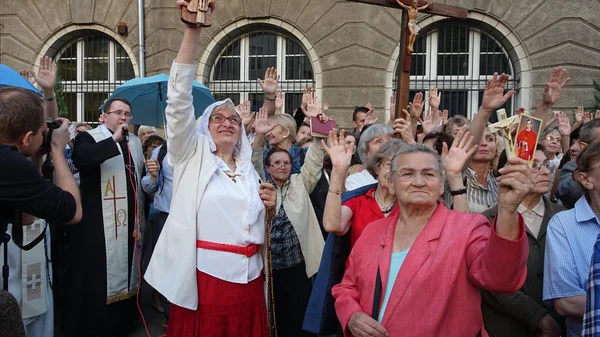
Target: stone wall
x,y
351,44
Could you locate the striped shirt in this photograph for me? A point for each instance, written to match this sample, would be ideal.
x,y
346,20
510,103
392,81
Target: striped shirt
x,y
569,245
479,197
591,317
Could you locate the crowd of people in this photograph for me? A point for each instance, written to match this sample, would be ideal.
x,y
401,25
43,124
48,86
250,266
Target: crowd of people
x,y
227,220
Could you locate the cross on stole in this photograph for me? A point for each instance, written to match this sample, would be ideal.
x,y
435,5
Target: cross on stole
x,y
114,198
403,69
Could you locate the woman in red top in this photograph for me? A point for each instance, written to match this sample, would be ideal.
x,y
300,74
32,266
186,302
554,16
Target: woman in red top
x,y
356,213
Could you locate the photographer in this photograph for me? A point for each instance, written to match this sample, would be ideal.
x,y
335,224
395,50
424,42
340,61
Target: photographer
x,y
22,187
25,195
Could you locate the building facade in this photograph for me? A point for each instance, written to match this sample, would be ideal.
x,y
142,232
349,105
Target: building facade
x,y
347,51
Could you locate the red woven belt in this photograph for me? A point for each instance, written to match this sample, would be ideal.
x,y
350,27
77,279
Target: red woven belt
x,y
247,251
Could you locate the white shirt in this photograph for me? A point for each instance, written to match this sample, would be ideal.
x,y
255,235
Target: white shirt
x,y
221,219
360,179
533,218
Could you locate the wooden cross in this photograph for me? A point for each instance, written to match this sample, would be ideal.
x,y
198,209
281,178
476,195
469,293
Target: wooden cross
x,y
403,69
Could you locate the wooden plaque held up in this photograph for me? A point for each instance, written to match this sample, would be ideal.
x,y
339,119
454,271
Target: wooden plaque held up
x,y
197,13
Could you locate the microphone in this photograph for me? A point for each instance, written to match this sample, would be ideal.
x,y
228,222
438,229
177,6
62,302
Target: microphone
x,y
125,131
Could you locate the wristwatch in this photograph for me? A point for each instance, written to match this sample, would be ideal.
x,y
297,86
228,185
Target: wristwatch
x,y
458,192
51,98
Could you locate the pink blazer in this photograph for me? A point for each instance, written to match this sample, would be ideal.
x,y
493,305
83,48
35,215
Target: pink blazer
x,y
436,292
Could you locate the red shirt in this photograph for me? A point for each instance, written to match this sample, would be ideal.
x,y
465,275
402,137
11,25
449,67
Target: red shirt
x,y
365,210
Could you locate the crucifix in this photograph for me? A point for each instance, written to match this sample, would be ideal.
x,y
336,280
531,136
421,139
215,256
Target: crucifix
x,y
504,126
409,12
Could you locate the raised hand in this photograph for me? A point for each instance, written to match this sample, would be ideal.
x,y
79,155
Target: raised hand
x,y
402,127
370,117
427,122
306,95
393,104
416,108
46,76
245,113
261,123
336,148
555,86
269,85
579,115
494,96
462,149
325,107
312,107
445,114
28,75
587,116
278,101
435,98
564,126
515,183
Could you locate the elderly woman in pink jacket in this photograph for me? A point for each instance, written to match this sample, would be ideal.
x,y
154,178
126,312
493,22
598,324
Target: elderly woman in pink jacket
x,y
418,273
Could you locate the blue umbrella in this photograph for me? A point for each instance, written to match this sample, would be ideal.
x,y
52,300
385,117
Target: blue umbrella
x,y
148,98
11,78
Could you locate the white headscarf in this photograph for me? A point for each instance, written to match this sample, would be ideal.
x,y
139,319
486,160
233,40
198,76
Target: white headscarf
x,y
243,158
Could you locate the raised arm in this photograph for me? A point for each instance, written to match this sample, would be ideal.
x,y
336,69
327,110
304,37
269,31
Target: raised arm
x,y
261,128
552,91
402,5
336,218
493,98
181,126
454,161
425,7
45,78
269,87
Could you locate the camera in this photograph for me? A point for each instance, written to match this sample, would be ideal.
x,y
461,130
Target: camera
x,y
52,125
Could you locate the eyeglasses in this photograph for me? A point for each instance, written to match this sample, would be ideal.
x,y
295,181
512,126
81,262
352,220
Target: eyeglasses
x,y
552,139
279,165
408,175
120,113
220,119
592,169
537,166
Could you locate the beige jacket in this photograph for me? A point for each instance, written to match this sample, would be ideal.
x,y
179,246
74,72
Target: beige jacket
x,y
298,206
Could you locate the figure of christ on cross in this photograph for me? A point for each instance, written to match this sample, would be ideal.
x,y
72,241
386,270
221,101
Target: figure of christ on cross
x,y
409,24
412,21
114,199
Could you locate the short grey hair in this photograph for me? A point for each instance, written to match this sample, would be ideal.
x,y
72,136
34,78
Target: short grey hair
x,y
549,131
417,148
387,150
587,133
373,131
146,128
457,120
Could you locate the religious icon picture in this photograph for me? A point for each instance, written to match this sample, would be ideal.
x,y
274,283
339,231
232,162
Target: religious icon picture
x,y
528,135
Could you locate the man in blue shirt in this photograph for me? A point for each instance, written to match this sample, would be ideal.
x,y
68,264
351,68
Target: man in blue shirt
x,y
569,245
159,181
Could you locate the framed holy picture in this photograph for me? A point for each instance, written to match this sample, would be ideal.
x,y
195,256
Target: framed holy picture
x,y
528,136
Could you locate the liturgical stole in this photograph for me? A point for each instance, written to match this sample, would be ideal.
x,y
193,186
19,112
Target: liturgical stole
x,y
34,274
115,216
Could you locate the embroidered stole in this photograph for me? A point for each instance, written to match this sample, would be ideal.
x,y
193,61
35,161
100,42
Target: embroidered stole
x,y
115,216
34,273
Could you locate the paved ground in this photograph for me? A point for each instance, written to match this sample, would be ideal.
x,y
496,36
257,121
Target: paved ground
x,y
154,320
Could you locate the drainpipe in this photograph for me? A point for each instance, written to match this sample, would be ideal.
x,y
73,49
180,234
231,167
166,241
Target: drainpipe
x,y
141,38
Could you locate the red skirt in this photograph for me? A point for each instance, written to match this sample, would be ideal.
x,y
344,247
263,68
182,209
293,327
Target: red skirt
x,y
225,309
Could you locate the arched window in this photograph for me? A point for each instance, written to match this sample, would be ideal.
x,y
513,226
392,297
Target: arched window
x,y
246,58
459,60
90,68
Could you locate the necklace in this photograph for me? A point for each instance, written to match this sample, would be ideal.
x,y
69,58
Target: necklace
x,y
384,209
232,176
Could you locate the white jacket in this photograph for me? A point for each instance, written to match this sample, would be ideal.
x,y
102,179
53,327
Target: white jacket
x,y
173,266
